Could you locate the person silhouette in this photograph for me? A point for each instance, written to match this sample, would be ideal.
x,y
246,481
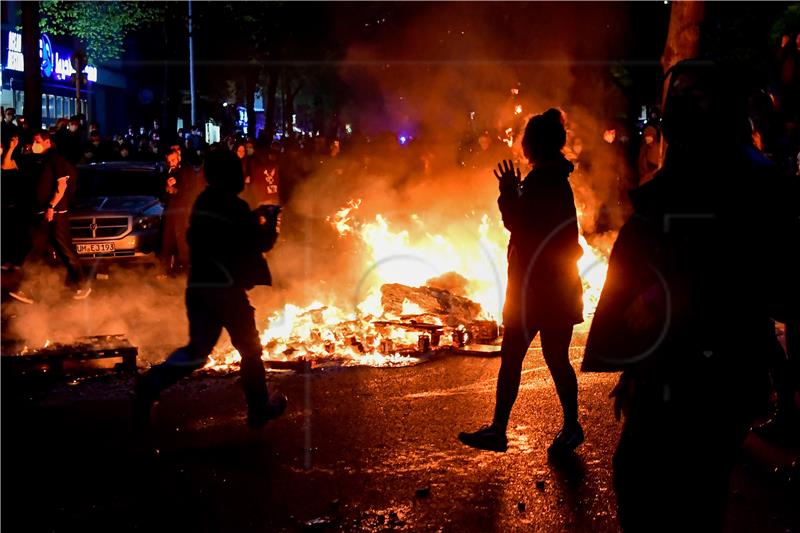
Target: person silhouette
x,y
226,246
544,293
689,325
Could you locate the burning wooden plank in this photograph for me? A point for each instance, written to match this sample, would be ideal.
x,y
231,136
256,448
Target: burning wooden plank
x,y
453,310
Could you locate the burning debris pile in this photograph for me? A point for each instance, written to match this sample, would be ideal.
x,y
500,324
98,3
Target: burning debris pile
x,y
413,323
407,315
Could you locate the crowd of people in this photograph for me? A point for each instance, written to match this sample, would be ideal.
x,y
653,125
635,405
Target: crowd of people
x,y
692,332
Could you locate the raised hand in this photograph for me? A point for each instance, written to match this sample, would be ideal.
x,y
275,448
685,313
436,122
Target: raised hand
x,y
507,175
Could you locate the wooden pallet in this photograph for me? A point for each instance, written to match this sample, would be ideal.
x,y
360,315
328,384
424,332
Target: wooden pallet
x,y
82,349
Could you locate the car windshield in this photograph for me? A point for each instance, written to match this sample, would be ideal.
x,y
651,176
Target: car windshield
x,y
94,182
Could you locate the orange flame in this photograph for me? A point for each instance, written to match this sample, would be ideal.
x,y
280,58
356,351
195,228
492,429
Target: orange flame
x,y
474,248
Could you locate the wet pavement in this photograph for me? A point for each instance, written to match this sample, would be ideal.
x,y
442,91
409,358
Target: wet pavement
x,y
359,449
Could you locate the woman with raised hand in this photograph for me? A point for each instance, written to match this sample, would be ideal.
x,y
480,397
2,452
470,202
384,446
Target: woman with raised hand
x,y
544,292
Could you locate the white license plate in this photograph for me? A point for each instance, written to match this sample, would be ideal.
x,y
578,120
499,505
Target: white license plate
x,y
95,248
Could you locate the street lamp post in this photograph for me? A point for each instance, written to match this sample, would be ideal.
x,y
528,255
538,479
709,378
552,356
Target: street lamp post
x,y
191,67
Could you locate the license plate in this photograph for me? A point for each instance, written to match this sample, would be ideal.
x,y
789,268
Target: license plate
x,y
95,248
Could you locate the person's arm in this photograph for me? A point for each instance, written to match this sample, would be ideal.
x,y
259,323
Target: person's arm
x,y
62,173
61,188
8,156
509,200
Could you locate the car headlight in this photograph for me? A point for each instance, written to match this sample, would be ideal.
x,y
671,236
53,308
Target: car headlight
x,y
144,223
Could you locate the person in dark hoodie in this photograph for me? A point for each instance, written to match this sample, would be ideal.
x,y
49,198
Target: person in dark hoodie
x,y
695,279
544,292
226,242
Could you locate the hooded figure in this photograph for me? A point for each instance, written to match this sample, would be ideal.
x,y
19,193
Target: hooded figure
x,y
226,243
694,279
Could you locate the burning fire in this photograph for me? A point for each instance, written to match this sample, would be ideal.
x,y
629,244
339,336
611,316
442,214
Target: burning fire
x,y
475,248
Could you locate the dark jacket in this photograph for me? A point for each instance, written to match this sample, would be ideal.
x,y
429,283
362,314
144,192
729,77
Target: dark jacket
x,y
710,249
544,288
226,242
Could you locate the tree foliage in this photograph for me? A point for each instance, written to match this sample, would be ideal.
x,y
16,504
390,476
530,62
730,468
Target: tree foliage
x,y
787,24
101,26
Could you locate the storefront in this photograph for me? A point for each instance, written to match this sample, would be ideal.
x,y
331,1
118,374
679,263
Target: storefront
x,y
101,97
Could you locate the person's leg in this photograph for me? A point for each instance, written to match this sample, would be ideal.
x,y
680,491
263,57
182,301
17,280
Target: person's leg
x,y
516,341
168,241
181,246
675,456
38,230
238,318
204,330
555,347
61,241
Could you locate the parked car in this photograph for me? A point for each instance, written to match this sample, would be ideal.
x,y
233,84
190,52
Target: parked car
x,y
117,211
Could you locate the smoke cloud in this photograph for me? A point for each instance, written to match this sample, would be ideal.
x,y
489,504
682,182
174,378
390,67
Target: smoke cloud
x,y
443,76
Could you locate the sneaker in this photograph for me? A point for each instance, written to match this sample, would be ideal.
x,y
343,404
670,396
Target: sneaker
x,y
82,294
567,440
21,296
276,405
486,438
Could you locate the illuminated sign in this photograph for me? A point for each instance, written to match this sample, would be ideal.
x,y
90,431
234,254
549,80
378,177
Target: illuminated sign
x,y
54,62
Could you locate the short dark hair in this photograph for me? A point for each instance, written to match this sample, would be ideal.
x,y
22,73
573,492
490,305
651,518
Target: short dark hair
x,y
44,134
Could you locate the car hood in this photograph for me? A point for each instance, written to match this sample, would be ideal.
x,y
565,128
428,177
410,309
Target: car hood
x,y
114,204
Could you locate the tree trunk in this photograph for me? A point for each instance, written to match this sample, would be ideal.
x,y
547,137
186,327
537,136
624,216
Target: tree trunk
x,y
33,75
269,115
250,89
284,100
290,106
683,42
683,36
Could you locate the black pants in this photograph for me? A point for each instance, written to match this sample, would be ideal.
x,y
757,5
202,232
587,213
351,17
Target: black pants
x,y
555,345
210,310
676,453
57,235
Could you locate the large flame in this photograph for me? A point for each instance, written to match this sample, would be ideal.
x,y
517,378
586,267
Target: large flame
x,y
474,247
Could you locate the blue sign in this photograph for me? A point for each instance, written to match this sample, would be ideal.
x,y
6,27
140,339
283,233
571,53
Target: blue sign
x,y
55,63
46,53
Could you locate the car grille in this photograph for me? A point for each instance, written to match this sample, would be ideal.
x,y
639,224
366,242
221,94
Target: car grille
x,y
99,227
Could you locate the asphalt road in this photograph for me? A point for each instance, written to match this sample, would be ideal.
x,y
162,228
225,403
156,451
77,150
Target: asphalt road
x,y
359,449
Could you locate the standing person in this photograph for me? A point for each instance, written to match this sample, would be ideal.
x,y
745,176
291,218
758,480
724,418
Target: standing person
x,y
248,193
227,242
690,329
9,129
649,154
69,144
55,189
183,184
266,178
15,212
544,288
